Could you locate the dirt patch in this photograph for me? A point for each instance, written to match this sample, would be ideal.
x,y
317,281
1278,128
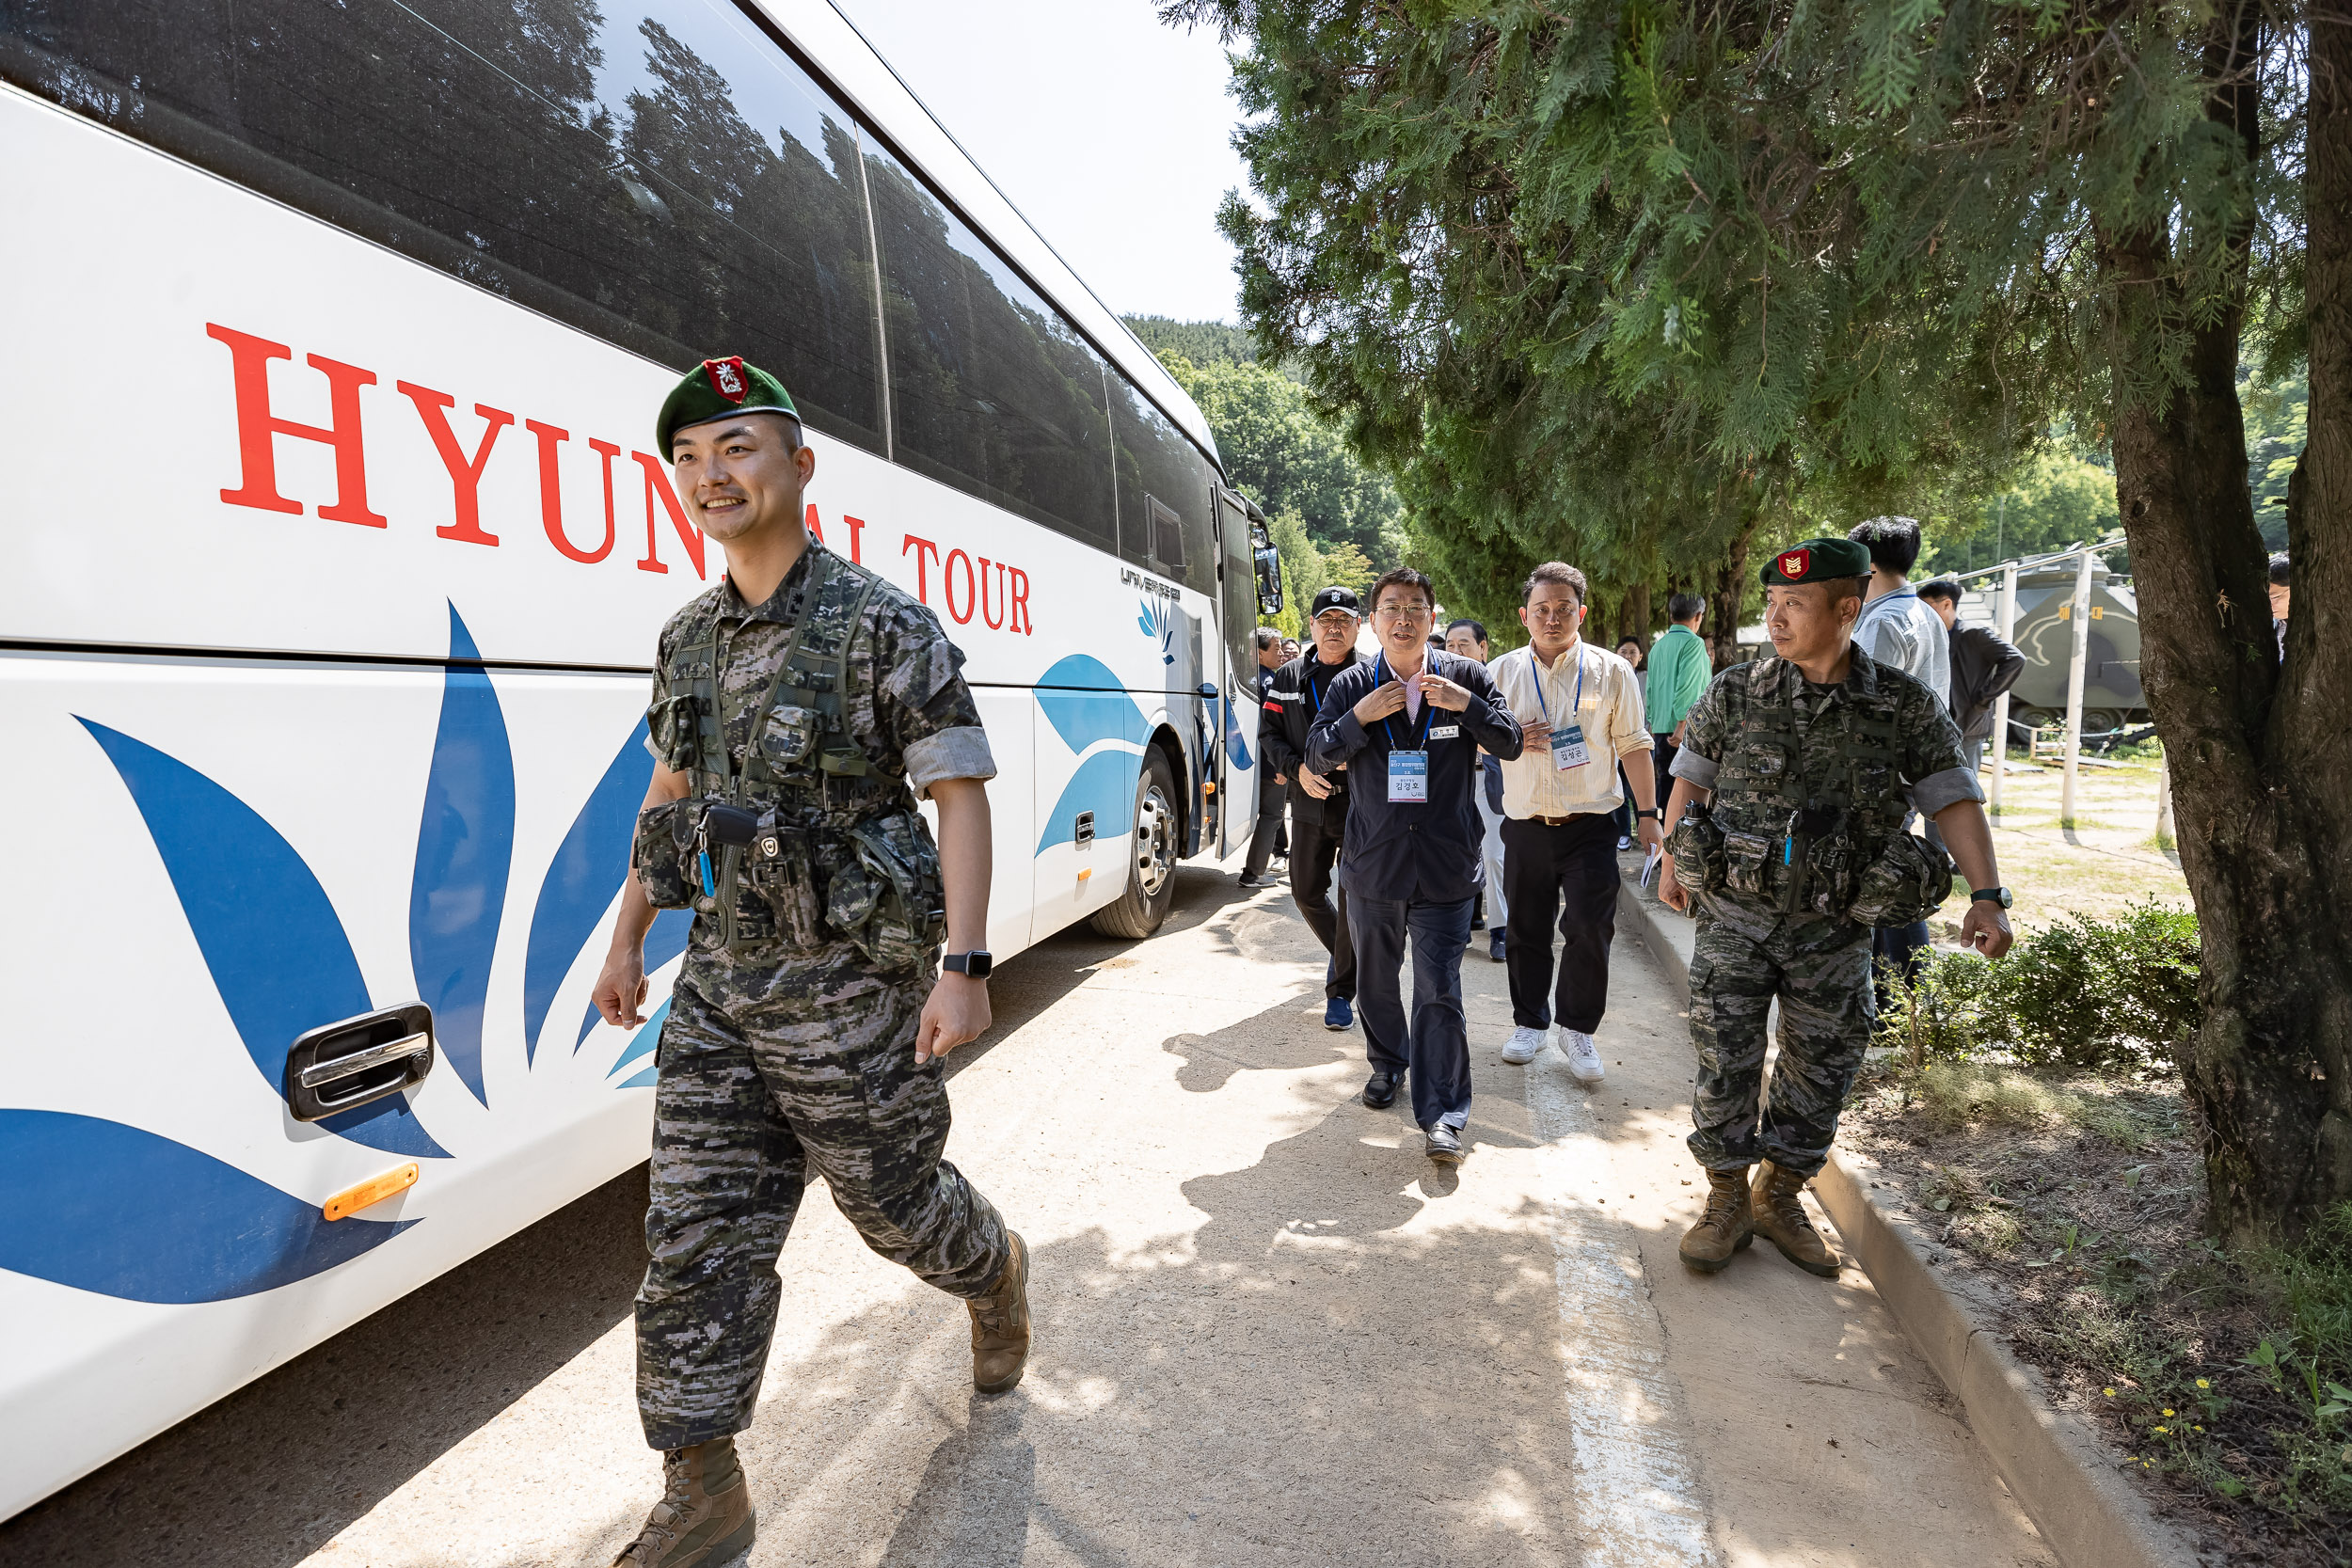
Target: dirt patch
x,y
2068,1210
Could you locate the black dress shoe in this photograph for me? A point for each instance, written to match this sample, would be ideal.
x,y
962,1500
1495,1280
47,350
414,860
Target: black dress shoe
x,y
1443,1143
1380,1090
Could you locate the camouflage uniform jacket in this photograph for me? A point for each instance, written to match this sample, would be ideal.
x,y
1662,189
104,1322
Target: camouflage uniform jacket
x,y
1809,782
904,708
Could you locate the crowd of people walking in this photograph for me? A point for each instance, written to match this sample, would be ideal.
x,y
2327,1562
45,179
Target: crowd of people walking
x,y
1432,787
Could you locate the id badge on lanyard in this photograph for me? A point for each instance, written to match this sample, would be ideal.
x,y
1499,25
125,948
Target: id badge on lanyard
x,y
1568,740
1408,777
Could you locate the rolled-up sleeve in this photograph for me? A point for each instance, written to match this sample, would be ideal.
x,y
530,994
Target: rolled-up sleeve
x,y
922,708
1688,765
1628,726
1945,788
957,753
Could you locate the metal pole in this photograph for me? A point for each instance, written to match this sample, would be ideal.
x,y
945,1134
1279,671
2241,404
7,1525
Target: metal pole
x,y
2074,686
2004,627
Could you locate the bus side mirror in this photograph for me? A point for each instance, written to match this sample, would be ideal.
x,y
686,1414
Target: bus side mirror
x,y
1269,580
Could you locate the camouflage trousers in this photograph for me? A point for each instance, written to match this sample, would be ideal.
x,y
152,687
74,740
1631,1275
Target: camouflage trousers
x,y
1820,971
751,1097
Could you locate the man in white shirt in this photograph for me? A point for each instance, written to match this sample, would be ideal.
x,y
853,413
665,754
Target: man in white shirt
x,y
1579,708
1897,627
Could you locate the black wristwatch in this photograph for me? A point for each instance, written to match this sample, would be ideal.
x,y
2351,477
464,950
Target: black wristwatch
x,y
1991,895
976,964
1653,815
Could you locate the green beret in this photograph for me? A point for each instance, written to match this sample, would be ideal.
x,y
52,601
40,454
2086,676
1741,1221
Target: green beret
x,y
1819,561
718,388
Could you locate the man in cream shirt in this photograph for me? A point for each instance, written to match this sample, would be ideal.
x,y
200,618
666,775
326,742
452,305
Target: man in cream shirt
x,y
1581,709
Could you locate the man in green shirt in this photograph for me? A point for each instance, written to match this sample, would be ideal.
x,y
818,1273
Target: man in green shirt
x,y
1678,673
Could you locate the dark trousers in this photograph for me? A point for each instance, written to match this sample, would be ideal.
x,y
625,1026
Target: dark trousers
x,y
1435,1049
1324,903
1270,806
1571,871
1663,752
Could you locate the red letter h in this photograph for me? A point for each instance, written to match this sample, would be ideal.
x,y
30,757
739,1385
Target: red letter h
x,y
249,359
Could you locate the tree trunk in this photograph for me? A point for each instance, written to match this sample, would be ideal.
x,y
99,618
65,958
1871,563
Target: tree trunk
x,y
2256,771
1722,626
1634,620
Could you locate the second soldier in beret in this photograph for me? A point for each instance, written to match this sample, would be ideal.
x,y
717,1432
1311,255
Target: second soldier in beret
x,y
801,708
1789,796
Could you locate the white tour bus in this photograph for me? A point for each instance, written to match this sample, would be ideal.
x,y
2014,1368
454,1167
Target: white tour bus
x,y
331,559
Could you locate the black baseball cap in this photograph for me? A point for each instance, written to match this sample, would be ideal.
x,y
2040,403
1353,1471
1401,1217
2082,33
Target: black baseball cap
x,y
1336,597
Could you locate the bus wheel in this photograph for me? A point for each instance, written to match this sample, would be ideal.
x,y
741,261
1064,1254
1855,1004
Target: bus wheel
x,y
1150,889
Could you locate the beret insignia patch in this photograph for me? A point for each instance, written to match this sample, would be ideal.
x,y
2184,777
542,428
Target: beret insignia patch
x,y
1794,564
728,378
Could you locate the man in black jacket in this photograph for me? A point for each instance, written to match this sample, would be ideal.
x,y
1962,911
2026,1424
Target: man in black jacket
x,y
1983,667
1409,725
1318,801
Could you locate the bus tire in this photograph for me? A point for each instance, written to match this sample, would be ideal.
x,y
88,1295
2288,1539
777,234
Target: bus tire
x,y
1151,890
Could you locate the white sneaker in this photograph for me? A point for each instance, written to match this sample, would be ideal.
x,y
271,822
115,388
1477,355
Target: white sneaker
x,y
1524,1047
1583,1055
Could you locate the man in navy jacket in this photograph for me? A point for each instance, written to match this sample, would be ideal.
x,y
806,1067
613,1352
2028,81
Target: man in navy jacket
x,y
1408,725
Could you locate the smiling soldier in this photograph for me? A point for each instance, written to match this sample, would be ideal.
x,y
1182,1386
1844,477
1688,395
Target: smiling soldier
x,y
1791,791
801,708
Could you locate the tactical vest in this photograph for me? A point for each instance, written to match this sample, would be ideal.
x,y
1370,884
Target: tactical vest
x,y
820,837
1811,822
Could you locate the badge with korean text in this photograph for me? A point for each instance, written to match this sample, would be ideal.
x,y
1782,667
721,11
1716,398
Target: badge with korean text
x,y
1568,749
1408,777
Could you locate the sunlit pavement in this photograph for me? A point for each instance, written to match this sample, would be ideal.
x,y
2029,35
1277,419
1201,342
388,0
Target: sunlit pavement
x,y
1267,1331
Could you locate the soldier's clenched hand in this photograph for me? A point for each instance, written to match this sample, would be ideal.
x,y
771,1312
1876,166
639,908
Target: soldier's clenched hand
x,y
1671,892
956,1014
1985,928
621,989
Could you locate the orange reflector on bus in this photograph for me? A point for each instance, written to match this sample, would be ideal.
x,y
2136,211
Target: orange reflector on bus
x,y
1208,787
1088,872
375,1189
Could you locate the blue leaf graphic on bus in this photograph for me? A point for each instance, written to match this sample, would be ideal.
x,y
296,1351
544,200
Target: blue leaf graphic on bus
x,y
1105,785
275,949
589,869
1085,702
102,1206
464,846
1158,619
1236,747
641,1044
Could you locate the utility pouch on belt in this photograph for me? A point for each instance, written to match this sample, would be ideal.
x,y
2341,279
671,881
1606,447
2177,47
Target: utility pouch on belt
x,y
1746,862
789,736
890,902
663,854
1907,881
1697,846
675,723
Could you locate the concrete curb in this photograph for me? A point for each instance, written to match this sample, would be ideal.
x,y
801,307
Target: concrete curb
x,y
2054,1463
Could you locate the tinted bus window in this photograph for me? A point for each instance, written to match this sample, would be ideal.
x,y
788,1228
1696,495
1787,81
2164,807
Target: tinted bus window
x,y
990,390
1163,493
662,175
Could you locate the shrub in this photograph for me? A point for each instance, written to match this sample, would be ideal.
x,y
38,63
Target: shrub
x,y
2084,993
2093,993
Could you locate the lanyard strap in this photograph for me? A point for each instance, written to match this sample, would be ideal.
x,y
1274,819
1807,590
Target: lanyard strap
x,y
1381,664
1578,704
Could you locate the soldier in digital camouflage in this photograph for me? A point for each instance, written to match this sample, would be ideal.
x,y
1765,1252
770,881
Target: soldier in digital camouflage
x,y
1789,799
801,707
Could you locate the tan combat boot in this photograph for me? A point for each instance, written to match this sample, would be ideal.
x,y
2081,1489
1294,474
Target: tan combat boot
x,y
1780,1218
704,1514
1723,1229
1000,1324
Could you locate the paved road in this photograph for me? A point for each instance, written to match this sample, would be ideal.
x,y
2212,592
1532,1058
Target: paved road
x,y
1267,1332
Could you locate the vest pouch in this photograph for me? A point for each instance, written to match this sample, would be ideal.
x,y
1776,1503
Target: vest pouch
x,y
1697,846
789,736
1907,881
1747,861
890,902
1835,877
788,883
663,854
675,724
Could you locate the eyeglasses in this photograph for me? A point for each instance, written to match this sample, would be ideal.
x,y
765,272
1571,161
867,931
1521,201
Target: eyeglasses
x,y
1403,612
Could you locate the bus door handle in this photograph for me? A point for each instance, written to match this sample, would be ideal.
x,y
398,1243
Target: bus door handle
x,y
358,1060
